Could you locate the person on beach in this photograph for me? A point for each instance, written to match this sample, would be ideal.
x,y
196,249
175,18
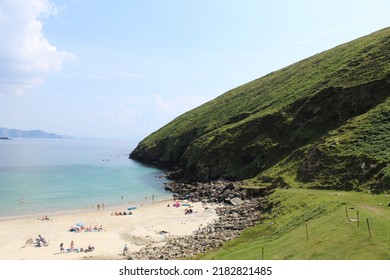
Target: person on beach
x,y
125,250
71,246
41,241
90,248
98,207
61,247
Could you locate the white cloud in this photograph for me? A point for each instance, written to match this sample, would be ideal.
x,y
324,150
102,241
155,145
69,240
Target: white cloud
x,y
163,105
26,56
113,115
123,117
169,108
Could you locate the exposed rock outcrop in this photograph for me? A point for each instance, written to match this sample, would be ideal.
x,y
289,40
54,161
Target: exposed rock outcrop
x,y
233,219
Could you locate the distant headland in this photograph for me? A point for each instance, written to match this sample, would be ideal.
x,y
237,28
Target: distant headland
x,y
8,133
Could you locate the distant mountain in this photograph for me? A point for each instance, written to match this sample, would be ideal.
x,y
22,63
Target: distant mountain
x,y
16,133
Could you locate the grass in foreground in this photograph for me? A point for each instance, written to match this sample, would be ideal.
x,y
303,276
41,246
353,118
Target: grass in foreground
x,y
329,235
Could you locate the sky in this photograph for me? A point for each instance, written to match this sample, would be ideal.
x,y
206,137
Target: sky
x,y
124,68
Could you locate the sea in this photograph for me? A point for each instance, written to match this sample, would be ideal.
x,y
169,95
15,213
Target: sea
x,y
47,176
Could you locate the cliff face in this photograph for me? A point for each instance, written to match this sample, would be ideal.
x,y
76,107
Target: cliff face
x,y
321,122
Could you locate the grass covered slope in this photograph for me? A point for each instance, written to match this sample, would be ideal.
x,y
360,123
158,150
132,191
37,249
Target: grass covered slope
x,y
305,124
354,156
330,218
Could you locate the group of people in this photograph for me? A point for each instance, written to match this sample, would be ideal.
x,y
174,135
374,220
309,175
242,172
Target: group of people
x,y
124,213
72,249
93,229
45,218
86,229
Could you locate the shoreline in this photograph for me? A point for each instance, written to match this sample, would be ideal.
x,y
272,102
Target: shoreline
x,y
82,210
149,225
220,211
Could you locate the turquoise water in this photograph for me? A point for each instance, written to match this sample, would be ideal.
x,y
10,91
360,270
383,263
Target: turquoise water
x,y
49,175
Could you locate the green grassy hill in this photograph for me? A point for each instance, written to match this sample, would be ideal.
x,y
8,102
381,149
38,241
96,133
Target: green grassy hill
x,y
316,225
322,122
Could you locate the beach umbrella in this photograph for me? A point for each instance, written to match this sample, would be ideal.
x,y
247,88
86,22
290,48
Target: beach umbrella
x,y
80,224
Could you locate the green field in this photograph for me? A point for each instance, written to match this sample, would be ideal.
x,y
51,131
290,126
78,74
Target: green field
x,y
282,234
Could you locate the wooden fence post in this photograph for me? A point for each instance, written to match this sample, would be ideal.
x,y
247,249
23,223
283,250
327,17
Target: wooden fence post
x,y
346,213
358,219
307,233
369,229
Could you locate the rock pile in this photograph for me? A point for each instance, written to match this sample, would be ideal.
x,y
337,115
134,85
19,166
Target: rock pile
x,y
236,212
211,192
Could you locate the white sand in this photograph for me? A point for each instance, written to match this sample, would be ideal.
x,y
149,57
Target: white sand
x,y
137,230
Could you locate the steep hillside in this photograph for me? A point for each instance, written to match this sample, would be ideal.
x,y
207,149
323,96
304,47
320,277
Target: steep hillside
x,y
321,122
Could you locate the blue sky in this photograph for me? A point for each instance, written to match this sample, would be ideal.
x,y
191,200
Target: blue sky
x,y
124,68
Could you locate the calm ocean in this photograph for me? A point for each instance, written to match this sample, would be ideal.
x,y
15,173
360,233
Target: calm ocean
x,y
41,176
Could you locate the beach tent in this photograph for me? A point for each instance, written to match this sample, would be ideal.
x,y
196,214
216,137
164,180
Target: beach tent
x,y
176,204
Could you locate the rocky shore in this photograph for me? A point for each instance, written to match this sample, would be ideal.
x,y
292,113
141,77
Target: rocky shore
x,y
238,208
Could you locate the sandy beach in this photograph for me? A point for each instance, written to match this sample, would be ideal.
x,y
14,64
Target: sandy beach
x,y
149,224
